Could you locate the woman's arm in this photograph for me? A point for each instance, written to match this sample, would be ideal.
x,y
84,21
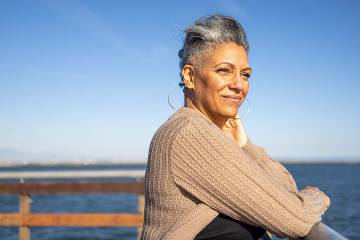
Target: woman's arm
x,y
273,166
209,165
234,128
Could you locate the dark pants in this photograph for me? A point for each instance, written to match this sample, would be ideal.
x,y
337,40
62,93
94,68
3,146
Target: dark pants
x,y
227,228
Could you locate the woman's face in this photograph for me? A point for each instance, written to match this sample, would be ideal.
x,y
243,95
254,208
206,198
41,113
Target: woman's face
x,y
221,83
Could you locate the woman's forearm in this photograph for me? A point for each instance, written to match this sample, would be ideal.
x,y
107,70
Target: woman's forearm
x,y
274,167
211,167
235,129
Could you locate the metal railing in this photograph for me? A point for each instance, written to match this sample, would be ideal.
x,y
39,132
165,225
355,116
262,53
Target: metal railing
x,y
321,231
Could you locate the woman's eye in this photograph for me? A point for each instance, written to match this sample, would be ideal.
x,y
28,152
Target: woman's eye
x,y
246,75
223,70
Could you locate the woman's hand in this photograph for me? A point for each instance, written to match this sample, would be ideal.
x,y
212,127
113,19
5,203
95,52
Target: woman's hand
x,y
234,128
315,190
326,198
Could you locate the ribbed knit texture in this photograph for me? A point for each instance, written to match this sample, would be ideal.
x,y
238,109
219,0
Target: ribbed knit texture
x,y
195,171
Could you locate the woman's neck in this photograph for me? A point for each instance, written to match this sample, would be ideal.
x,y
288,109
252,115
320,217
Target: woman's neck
x,y
218,122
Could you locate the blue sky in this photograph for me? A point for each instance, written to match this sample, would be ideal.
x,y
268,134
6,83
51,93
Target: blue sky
x,y
90,79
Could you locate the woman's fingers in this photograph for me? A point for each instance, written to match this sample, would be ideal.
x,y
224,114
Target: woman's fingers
x,y
234,128
326,198
311,187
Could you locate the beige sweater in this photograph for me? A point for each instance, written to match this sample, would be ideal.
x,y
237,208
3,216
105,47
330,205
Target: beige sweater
x,y
195,171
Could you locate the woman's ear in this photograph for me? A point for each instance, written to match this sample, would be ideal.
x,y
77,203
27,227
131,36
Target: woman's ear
x,y
188,76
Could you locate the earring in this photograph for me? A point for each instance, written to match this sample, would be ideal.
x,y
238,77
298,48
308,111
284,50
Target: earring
x,y
169,98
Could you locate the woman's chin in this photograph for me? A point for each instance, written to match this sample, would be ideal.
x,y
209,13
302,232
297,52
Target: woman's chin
x,y
230,112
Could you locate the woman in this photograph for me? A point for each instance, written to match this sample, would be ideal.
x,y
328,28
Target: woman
x,y
205,179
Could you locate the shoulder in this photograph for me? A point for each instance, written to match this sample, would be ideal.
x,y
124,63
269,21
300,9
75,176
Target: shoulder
x,y
179,125
188,126
168,131
199,133
183,120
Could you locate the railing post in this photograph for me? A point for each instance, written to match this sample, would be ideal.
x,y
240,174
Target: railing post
x,y
141,202
25,208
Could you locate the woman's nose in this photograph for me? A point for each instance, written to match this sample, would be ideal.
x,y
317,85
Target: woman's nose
x,y
237,83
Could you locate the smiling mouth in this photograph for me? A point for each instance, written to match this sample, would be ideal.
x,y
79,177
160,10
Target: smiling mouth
x,y
233,99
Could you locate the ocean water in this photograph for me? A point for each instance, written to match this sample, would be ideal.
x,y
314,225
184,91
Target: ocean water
x,y
340,181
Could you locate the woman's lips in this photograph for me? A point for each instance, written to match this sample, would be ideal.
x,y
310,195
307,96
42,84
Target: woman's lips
x,y
233,98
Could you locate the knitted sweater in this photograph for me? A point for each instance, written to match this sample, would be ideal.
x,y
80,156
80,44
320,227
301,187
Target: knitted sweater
x,y
195,170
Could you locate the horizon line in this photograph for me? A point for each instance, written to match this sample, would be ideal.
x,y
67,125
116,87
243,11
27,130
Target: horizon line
x,y
11,163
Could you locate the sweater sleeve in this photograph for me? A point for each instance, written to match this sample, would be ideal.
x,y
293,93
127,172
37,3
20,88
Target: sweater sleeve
x,y
274,167
210,166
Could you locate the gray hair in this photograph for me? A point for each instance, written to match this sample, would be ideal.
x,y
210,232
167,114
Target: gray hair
x,y
205,34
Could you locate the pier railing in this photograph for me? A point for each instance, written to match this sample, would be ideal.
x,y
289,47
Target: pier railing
x,y
25,219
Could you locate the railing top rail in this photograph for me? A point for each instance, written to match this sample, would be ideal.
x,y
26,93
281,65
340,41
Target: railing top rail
x,y
321,231
72,174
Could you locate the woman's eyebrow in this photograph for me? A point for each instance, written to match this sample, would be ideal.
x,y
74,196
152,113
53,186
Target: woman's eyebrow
x,y
247,68
244,69
224,63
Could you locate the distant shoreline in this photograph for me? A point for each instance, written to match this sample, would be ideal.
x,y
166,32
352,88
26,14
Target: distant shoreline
x,y
66,163
100,163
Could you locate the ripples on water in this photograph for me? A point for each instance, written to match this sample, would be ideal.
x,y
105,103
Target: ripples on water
x,y
340,181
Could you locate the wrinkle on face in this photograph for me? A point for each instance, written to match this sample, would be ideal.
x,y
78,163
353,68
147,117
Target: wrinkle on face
x,y
224,71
